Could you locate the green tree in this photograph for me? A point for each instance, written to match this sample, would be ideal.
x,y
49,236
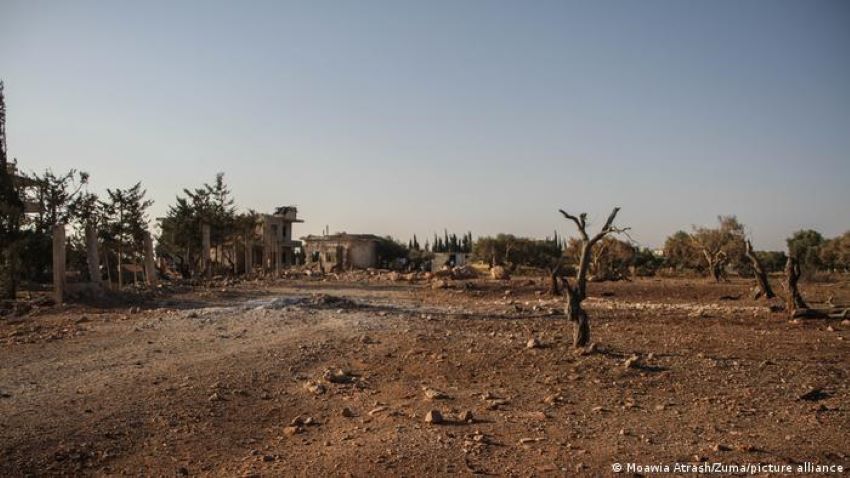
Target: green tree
x,y
721,246
773,261
125,225
211,204
11,213
681,253
804,245
834,254
389,251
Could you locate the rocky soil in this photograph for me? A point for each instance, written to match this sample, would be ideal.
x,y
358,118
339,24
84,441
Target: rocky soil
x,y
357,378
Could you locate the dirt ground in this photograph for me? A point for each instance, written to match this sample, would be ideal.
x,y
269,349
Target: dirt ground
x,y
336,378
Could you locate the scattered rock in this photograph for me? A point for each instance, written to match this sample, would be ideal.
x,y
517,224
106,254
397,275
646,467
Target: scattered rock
x,y
722,447
495,404
533,343
338,376
433,394
434,417
293,430
813,395
347,413
215,397
632,362
553,399
466,416
315,388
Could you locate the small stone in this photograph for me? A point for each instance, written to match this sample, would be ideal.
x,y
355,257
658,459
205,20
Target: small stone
x,y
315,388
434,417
338,376
347,413
291,430
433,394
553,399
722,447
215,397
466,416
376,410
532,343
632,362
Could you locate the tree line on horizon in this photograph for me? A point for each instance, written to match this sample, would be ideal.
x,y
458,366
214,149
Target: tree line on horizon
x,y
120,217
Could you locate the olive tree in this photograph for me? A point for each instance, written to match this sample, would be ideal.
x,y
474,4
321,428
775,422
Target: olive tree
x,y
577,291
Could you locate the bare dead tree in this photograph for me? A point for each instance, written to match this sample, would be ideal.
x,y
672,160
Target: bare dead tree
x,y
797,306
764,289
577,291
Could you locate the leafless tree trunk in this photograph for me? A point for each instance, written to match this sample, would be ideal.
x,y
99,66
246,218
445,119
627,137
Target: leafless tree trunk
x,y
764,289
554,288
797,307
92,256
792,276
120,265
577,292
716,264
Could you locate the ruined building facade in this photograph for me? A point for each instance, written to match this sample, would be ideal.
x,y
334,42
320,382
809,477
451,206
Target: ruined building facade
x,y
274,247
338,252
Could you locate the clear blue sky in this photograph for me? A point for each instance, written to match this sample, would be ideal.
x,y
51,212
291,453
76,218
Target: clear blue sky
x,y
397,117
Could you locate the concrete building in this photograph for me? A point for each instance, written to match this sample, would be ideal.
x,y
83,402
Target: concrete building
x,y
274,247
342,251
452,259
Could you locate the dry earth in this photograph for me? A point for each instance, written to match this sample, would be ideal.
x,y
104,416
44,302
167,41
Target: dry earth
x,y
243,382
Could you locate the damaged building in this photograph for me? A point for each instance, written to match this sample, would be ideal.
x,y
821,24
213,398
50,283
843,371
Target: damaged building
x,y
269,249
275,248
342,251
